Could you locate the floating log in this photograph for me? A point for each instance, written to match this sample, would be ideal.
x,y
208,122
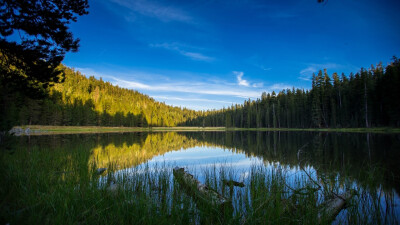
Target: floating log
x,y
199,191
332,207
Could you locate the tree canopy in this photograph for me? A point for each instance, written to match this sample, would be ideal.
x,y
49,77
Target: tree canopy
x,y
34,38
368,98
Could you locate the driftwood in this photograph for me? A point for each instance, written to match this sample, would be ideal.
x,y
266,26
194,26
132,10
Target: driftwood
x,y
331,208
199,191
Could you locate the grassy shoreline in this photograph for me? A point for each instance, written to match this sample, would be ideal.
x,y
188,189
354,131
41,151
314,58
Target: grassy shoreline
x,y
65,189
50,130
56,182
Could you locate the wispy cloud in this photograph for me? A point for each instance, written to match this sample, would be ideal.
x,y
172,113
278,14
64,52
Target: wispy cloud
x,y
257,85
221,89
240,80
258,62
191,99
245,83
190,87
196,56
181,50
306,73
197,93
265,68
279,87
262,67
164,13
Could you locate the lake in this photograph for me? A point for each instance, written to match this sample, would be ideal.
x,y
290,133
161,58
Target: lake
x,y
334,162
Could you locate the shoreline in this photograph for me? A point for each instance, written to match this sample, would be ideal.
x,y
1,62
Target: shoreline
x,y
53,130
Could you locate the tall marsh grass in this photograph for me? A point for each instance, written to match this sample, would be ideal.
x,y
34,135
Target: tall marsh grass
x,y
60,187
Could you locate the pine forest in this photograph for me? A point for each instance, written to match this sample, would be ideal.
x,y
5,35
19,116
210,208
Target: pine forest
x,y
368,98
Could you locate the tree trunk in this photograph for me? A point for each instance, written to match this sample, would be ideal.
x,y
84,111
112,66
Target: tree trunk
x,y
366,105
199,191
331,208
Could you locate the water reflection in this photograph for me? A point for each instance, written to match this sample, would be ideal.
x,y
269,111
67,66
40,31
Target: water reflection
x,y
367,161
330,153
199,159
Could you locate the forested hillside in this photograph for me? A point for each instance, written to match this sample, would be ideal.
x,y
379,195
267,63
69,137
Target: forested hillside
x,y
370,98
89,102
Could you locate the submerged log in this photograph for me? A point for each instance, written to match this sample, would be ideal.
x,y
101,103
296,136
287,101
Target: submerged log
x,y
199,191
331,208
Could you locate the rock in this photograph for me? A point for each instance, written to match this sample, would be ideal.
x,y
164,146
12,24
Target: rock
x,y
28,131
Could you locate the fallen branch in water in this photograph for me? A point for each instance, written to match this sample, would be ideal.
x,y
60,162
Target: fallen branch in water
x,y
199,191
332,207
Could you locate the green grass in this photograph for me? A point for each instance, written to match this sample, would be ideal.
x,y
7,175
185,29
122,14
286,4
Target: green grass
x,y
48,130
58,186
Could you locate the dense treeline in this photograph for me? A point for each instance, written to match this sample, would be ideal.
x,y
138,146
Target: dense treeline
x,y
88,102
370,98
367,99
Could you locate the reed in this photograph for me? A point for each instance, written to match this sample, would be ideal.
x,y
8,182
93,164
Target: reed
x,y
60,187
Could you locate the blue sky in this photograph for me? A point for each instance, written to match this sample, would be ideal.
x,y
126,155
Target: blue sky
x,y
209,54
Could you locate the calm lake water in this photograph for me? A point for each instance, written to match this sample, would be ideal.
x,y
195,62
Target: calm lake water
x,y
331,156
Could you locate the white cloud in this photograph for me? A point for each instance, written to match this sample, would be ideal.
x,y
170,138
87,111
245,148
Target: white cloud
x,y
245,83
194,94
208,88
239,76
306,73
131,84
257,85
309,70
279,87
191,99
181,49
265,68
164,13
196,56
